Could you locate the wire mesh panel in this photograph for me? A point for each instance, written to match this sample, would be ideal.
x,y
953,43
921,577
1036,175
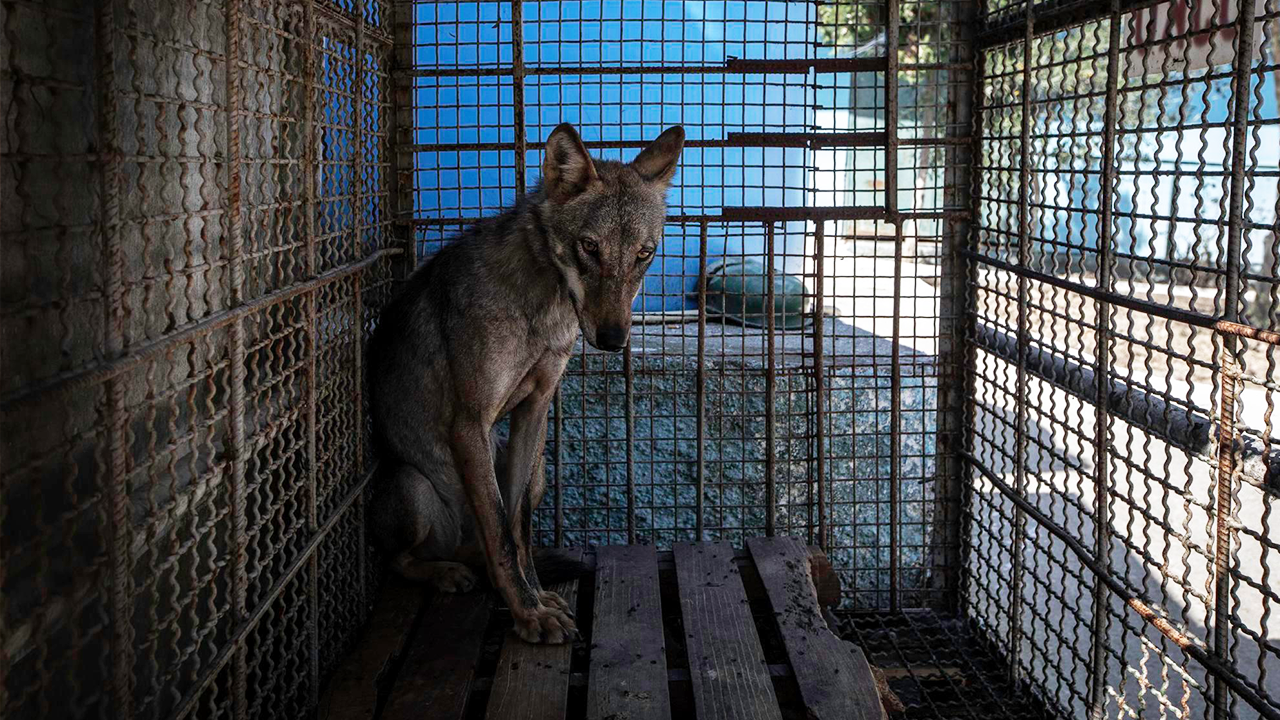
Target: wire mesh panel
x,y
1123,372
195,219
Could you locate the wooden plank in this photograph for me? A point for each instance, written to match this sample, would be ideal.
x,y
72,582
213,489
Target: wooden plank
x,y
834,676
352,693
435,679
532,681
727,665
628,654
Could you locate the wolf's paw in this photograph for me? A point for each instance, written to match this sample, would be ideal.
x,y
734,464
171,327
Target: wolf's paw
x,y
453,578
553,600
546,624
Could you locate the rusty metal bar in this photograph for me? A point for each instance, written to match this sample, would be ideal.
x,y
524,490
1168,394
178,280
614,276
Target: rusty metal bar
x,y
731,140
1097,697
629,380
1215,667
1018,537
557,408
702,379
141,353
1223,530
820,382
310,171
239,441
770,390
402,175
517,93
360,212
118,515
750,214
895,368
729,67
1111,298
1228,461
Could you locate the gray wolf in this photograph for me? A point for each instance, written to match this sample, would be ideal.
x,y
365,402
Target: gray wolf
x,y
483,330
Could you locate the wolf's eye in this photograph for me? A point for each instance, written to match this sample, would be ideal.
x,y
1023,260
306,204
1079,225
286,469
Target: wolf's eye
x,y
590,245
644,254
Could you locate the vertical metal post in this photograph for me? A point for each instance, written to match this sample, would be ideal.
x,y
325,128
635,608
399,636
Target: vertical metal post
x,y
630,420
702,376
770,389
118,516
557,409
891,209
1230,381
517,92
1102,359
955,385
360,213
1020,391
820,382
402,131
309,177
239,443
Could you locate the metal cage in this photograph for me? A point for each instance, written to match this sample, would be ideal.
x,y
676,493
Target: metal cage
x,y
1028,415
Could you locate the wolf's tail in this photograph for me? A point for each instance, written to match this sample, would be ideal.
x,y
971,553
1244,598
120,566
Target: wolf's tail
x,y
556,566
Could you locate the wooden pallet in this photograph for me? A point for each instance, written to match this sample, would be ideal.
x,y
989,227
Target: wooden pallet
x,y
702,629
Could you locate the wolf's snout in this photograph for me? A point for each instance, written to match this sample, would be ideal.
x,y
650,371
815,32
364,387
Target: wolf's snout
x,y
612,338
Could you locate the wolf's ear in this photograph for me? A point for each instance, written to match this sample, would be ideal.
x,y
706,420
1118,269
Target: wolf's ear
x,y
566,167
657,163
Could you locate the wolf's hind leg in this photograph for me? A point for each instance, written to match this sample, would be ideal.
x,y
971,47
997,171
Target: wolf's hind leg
x,y
411,524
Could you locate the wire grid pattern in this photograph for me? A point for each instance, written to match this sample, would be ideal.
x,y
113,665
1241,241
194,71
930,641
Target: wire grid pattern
x,y
1123,356
833,431
196,232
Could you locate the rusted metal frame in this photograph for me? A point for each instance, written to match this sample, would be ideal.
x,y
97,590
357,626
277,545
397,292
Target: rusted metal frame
x,y
1228,470
1097,692
557,417
1051,18
761,215
236,644
732,140
1018,534
1166,312
118,507
816,214
517,94
729,67
310,178
402,180
701,386
820,382
629,380
770,391
359,209
1216,667
895,369
141,353
239,442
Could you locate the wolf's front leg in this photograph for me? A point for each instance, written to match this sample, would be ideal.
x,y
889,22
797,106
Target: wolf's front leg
x,y
525,481
535,621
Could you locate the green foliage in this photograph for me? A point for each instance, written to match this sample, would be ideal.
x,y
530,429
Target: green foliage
x,y
923,28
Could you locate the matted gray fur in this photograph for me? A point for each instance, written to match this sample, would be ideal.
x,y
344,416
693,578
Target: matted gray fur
x,y
484,329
